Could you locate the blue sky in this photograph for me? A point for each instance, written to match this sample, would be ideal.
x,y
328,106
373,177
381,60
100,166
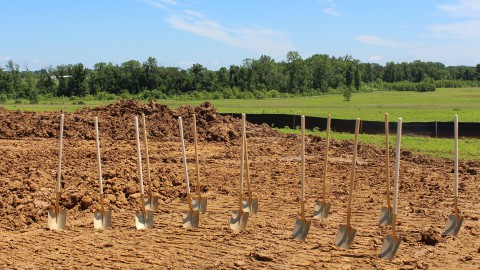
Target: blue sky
x,y
216,33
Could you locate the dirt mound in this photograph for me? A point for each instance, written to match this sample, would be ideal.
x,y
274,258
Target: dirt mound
x,y
116,122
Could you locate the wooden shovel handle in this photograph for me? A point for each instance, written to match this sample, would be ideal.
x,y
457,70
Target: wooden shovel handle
x,y
325,164
397,164
455,172
99,160
387,158
140,171
242,158
352,176
145,135
249,190
199,193
60,147
302,158
184,155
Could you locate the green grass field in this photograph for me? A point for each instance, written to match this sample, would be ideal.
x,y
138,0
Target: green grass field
x,y
440,105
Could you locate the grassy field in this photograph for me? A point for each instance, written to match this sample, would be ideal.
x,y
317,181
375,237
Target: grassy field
x,y
440,105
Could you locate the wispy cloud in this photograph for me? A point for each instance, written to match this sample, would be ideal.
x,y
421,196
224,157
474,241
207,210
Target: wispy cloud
x,y
253,38
469,30
5,58
376,58
328,7
464,8
374,40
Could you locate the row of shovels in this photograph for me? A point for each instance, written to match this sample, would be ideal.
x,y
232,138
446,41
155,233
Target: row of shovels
x,y
102,219
388,215
238,221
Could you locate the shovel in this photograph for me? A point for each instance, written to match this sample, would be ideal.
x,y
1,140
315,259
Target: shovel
x,y
103,219
198,203
454,222
386,212
239,218
58,217
322,208
250,204
151,202
144,218
392,242
346,233
302,225
190,217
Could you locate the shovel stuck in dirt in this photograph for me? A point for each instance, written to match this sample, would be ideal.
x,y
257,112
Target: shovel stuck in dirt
x,y
239,218
302,225
151,202
191,217
392,242
103,219
250,204
322,207
386,212
144,218
454,222
346,233
57,218
199,203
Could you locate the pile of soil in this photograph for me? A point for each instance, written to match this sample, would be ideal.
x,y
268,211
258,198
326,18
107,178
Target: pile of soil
x,y
116,121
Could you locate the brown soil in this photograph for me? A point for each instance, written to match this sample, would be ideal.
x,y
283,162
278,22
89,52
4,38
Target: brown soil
x,y
28,160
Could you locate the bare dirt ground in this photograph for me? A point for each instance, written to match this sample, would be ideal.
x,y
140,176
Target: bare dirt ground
x,y
28,160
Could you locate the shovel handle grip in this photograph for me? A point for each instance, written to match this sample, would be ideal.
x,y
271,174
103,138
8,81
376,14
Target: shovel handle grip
x,y
197,169
139,156
455,172
245,148
60,147
302,157
145,133
397,165
352,176
184,155
99,160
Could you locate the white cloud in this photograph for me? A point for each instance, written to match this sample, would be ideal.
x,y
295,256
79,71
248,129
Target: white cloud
x,y
329,7
155,4
464,8
450,55
253,38
376,58
374,40
185,64
5,58
469,30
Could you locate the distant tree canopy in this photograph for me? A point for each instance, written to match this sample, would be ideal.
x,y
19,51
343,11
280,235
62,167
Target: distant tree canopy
x,y
255,78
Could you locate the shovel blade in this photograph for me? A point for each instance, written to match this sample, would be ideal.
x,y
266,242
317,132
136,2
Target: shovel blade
x,y
300,229
250,206
453,226
239,220
190,219
385,216
102,222
200,205
151,203
345,236
142,222
57,222
321,209
389,247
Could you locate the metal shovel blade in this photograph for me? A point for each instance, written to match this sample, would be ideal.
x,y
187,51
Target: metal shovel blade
x,y
345,235
389,247
300,229
200,205
385,216
454,223
190,219
250,206
57,222
142,222
151,203
321,209
239,220
102,222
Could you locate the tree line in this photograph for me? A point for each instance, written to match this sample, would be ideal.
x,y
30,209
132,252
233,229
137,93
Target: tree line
x,y
254,78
